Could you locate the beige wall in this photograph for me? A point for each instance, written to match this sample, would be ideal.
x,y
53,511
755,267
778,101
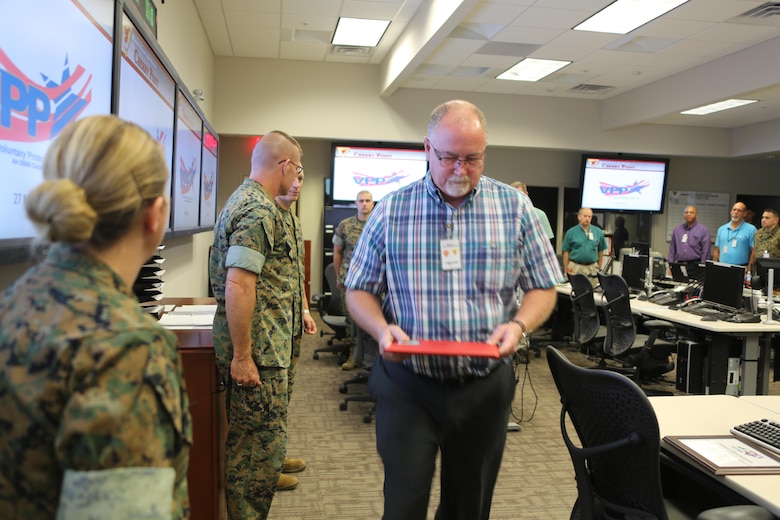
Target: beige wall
x,y
535,167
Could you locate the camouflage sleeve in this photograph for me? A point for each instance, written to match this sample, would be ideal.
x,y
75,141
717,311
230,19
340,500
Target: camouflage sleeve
x,y
338,235
129,409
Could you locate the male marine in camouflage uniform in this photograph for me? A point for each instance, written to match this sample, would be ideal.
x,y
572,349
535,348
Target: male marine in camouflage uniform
x,y
344,240
253,282
767,239
302,320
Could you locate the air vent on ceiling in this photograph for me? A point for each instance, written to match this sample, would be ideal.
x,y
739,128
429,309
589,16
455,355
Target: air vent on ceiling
x,y
763,11
351,50
584,88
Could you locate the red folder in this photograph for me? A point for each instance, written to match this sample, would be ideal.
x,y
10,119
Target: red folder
x,y
444,348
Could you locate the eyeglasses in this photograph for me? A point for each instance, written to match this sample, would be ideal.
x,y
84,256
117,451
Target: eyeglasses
x,y
449,161
298,167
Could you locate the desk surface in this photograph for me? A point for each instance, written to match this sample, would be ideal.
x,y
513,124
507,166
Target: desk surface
x,y
663,312
714,415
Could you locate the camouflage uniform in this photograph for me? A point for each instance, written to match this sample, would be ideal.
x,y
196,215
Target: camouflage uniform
x,y
294,230
88,382
249,229
765,240
346,235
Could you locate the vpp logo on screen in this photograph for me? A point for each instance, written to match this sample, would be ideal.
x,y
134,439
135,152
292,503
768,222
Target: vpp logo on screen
x,y
362,179
31,111
610,190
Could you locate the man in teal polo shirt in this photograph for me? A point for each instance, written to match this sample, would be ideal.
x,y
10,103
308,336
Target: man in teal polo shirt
x,y
583,247
734,240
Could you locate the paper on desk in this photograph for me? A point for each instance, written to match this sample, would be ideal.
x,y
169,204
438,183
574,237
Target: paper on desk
x,y
726,454
195,309
174,320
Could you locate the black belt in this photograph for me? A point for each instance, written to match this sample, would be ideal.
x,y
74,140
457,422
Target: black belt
x,y
580,263
460,381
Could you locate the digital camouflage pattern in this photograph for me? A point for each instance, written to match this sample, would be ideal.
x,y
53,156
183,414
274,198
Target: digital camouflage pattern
x,y
293,227
295,231
769,241
87,382
251,220
347,233
256,442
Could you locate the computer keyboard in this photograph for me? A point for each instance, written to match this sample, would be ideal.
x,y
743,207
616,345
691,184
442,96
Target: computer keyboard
x,y
665,299
745,317
765,433
709,311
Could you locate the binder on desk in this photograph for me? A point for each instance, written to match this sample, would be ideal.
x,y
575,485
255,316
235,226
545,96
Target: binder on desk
x,y
444,348
726,454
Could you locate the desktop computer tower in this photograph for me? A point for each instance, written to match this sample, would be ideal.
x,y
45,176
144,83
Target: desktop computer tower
x,y
710,366
691,356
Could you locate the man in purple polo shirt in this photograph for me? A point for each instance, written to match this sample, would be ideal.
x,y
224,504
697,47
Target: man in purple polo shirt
x,y
690,240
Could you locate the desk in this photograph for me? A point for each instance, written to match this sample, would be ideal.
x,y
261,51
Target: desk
x,y
204,475
754,365
714,415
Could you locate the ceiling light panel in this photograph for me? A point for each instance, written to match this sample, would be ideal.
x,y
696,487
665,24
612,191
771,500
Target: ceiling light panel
x,y
717,107
359,31
624,16
532,69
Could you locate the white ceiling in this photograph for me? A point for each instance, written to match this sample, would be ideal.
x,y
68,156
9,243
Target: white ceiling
x,y
702,52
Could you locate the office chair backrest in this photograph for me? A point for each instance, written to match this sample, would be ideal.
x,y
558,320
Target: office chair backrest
x,y
617,458
334,306
586,315
621,328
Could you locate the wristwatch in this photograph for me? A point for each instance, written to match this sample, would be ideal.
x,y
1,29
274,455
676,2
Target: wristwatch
x,y
522,326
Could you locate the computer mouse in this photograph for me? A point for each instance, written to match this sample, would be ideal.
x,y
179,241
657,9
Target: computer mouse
x,y
674,307
709,318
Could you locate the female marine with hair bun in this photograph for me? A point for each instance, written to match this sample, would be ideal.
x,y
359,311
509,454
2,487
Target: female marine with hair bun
x,y
95,418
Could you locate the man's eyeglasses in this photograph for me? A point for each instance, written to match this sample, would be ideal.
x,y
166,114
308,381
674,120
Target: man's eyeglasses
x,y
298,167
450,161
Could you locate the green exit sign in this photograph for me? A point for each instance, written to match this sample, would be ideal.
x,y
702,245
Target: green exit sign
x,y
148,13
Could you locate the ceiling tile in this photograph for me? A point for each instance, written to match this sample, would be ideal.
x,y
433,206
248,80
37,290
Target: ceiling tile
x,y
495,34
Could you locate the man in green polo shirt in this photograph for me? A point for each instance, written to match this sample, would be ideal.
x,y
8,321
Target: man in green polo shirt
x,y
583,247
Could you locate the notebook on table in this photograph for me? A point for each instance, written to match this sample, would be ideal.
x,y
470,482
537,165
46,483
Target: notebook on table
x,y
444,348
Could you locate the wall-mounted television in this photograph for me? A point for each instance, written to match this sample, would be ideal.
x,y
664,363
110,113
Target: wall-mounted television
x,y
46,83
208,179
380,168
187,165
623,183
147,92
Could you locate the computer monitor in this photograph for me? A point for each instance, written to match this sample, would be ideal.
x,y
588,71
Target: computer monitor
x,y
763,265
633,272
659,268
723,284
686,271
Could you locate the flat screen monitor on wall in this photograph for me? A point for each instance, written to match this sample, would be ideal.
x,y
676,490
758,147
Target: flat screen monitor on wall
x,y
187,165
147,92
208,179
380,168
46,83
623,183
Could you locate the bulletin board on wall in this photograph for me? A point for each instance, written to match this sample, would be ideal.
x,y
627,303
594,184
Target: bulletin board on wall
x,y
713,209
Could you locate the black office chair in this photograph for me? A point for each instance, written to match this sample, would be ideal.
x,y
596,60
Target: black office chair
x,y
361,378
617,460
647,357
332,314
587,323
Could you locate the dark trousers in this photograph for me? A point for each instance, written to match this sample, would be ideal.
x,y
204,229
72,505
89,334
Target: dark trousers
x,y
416,417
